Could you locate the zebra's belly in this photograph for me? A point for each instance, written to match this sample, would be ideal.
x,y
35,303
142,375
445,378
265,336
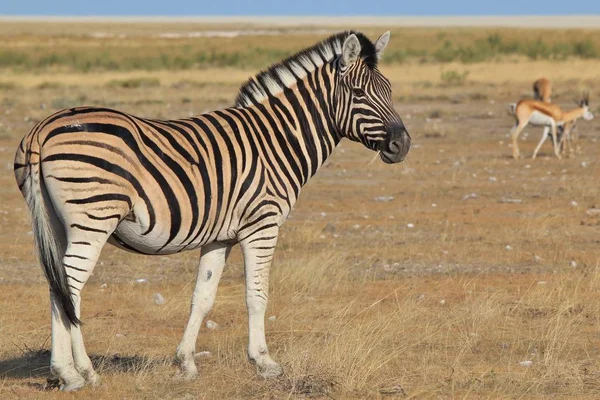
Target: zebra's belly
x,y
131,236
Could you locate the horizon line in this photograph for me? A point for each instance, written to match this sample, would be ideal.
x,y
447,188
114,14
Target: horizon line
x,y
532,21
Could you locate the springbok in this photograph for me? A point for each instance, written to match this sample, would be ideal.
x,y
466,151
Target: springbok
x,y
548,115
542,90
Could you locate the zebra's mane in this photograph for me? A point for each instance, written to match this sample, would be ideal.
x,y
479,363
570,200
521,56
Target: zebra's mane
x,y
286,73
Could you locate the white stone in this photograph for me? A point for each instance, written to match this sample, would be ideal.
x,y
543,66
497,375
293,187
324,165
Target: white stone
x,y
201,354
410,226
159,300
272,318
526,363
210,324
508,247
141,280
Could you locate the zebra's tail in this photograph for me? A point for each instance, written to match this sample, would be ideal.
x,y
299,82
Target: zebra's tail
x,y
28,172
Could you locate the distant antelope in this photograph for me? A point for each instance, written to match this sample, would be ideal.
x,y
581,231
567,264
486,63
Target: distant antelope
x,y
550,116
542,90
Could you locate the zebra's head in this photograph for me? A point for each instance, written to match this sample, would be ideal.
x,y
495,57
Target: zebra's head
x,y
365,112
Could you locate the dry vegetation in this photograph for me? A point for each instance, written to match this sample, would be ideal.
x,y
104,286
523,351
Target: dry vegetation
x,y
500,266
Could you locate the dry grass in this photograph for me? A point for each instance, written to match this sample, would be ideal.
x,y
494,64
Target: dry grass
x,y
339,336
366,307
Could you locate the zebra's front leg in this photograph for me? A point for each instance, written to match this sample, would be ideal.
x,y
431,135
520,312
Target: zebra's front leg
x,y
212,261
258,252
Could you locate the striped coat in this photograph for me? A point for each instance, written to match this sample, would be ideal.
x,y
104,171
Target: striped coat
x,y
94,175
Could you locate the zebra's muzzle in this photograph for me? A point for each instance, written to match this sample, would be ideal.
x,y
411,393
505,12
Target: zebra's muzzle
x,y
398,145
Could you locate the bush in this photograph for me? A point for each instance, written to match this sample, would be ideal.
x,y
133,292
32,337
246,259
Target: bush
x,y
134,83
454,78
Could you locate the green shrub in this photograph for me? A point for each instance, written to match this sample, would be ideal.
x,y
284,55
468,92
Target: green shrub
x,y
454,78
133,83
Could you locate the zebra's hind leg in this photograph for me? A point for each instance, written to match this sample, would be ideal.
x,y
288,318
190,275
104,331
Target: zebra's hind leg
x,y
80,259
258,249
211,266
61,360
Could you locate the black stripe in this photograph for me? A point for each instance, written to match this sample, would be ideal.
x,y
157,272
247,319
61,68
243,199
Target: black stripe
x,y
75,268
76,256
87,228
92,179
75,279
104,218
102,197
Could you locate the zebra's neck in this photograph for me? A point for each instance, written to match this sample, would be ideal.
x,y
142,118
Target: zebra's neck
x,y
300,123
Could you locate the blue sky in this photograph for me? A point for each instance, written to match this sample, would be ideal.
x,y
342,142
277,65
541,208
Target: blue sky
x,y
297,7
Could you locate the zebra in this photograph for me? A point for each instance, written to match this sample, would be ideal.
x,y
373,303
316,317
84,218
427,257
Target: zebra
x,y
95,175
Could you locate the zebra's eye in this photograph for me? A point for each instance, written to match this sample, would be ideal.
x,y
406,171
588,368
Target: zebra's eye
x,y
358,92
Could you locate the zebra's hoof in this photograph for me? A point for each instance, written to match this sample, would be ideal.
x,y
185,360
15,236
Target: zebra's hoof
x,y
73,386
270,371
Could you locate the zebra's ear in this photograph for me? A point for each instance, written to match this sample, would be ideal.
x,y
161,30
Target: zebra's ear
x,y
381,44
350,50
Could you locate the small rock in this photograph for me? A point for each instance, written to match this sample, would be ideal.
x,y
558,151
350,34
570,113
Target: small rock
x,y
573,264
584,164
470,196
508,247
541,282
510,201
323,214
493,179
442,301
103,286
388,268
527,166
272,318
410,225
384,198
537,259
159,300
593,212
526,363
433,205
573,203
210,324
141,280
397,389
201,354
119,335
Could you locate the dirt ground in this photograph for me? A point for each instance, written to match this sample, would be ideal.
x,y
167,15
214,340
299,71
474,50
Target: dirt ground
x,y
440,277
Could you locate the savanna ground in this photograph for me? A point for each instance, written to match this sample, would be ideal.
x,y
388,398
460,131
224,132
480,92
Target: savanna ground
x,y
458,273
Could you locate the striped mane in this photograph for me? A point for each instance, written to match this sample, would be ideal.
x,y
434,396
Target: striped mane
x,y
286,73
